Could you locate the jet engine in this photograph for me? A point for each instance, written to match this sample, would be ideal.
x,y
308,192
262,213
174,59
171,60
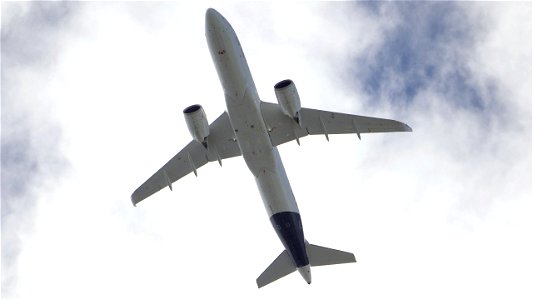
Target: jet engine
x,y
288,99
197,123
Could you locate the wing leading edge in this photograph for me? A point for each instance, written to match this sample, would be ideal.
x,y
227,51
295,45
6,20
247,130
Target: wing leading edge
x,y
221,144
283,129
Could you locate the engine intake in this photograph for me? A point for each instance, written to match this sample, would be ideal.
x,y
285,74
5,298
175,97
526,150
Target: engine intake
x,y
197,123
288,99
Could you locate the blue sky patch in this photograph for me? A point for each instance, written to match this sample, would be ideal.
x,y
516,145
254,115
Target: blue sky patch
x,y
424,50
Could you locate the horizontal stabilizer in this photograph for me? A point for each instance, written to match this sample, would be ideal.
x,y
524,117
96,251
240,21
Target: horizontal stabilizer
x,y
280,267
321,256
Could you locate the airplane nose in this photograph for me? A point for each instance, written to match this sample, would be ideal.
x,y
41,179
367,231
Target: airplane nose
x,y
212,17
209,12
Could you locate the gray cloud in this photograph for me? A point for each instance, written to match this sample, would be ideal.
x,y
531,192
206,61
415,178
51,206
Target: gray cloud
x,y
467,117
426,45
31,138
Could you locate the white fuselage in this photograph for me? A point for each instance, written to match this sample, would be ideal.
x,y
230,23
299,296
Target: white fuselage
x,y
263,160
243,107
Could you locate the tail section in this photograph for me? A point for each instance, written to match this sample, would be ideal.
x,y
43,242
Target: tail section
x,y
283,265
280,267
321,256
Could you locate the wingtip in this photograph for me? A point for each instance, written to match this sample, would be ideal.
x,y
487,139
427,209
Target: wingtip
x,y
259,285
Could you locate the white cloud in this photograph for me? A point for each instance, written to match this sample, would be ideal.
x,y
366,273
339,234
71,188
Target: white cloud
x,y
438,213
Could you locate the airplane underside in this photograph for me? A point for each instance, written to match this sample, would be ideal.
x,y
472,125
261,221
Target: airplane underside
x,y
253,129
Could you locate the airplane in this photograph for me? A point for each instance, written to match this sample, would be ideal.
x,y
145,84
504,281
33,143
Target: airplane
x,y
253,128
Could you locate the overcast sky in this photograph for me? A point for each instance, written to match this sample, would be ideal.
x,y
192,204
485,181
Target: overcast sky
x,y
92,95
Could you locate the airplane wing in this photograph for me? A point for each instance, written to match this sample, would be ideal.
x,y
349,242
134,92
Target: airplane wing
x,y
283,129
221,144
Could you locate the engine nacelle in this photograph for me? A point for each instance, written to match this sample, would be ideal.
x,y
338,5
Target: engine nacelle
x,y
197,123
288,98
